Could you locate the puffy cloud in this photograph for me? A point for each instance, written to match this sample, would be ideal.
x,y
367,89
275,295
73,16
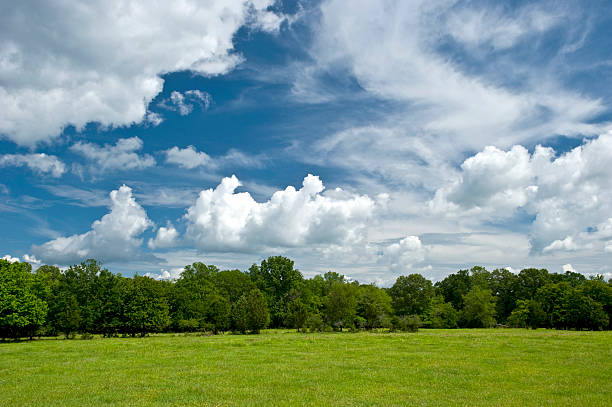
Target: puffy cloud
x,y
165,237
10,258
39,163
113,237
191,158
401,256
568,267
173,274
569,195
183,103
105,59
187,157
121,156
224,220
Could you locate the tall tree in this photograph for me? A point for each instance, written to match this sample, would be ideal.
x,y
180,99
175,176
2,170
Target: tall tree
x,y
411,294
341,305
478,308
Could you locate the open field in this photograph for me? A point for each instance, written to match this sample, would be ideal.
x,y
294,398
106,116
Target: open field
x,y
281,368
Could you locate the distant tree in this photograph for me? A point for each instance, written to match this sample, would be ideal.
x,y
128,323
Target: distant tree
x,y
219,313
529,281
440,314
276,278
69,317
240,315
478,308
527,314
341,305
454,287
373,305
145,308
297,314
503,284
258,316
232,284
411,294
22,313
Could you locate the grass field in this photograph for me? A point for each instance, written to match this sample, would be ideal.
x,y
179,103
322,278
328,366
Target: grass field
x,y
282,368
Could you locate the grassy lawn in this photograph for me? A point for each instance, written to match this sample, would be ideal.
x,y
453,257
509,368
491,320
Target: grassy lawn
x,y
281,368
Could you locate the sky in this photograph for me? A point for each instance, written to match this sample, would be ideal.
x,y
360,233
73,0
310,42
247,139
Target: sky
x,y
370,138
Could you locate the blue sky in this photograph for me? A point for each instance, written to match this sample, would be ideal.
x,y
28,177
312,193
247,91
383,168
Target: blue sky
x,y
370,138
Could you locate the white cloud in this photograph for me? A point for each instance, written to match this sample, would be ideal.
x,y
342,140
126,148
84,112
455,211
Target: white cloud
x,y
568,267
183,103
187,157
570,195
10,258
39,163
121,156
491,27
165,237
224,220
113,237
401,256
78,62
173,274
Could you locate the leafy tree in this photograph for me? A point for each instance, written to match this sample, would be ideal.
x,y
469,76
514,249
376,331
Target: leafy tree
x,y
69,317
258,316
145,307
411,294
454,287
440,314
503,284
373,305
219,313
530,281
479,308
527,314
21,311
297,314
240,314
276,278
232,284
340,305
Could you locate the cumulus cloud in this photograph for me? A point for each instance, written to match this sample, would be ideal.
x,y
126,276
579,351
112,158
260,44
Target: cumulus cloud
x,y
10,258
187,157
172,274
113,237
569,195
223,220
191,158
165,237
401,256
121,156
39,163
110,68
184,103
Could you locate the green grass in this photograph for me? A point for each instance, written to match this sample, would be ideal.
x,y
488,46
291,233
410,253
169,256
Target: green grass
x,y
280,368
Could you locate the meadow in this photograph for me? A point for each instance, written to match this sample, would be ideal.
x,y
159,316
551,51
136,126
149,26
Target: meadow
x,y
478,367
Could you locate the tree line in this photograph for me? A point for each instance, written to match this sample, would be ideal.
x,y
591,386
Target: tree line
x,y
89,299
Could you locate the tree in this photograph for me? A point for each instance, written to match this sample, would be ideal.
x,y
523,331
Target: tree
x,y
479,308
69,317
527,314
411,294
374,305
21,311
258,316
440,314
276,278
340,305
240,314
219,313
145,307
454,287
297,314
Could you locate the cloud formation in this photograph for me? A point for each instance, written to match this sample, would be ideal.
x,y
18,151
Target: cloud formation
x,y
40,163
223,220
74,63
166,237
569,195
114,237
184,103
121,156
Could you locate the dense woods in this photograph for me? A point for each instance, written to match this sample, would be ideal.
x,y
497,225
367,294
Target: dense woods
x,y
88,299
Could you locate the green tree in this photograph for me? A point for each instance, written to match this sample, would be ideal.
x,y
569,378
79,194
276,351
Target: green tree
x,y
258,316
240,315
276,278
478,308
69,317
145,307
22,313
297,314
341,305
411,294
441,314
454,287
527,314
373,305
